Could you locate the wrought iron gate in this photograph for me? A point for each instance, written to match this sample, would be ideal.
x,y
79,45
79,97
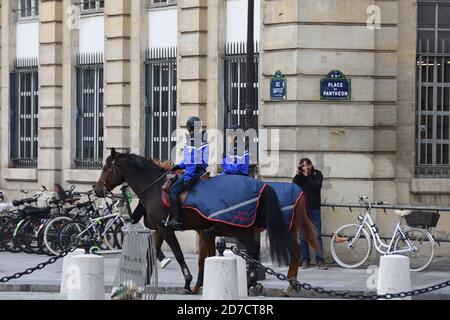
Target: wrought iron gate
x,y
90,111
24,113
160,102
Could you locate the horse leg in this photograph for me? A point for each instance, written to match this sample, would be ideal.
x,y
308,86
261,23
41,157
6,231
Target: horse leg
x,y
252,250
207,249
293,265
173,243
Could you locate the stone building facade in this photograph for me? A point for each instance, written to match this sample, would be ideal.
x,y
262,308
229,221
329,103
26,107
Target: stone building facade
x,y
123,74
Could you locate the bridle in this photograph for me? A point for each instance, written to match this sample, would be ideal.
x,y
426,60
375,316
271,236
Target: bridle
x,y
116,167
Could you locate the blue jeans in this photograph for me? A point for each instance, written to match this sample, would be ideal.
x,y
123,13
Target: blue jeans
x,y
315,218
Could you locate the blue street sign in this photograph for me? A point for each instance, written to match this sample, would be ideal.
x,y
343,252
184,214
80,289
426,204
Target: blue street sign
x,y
278,86
335,87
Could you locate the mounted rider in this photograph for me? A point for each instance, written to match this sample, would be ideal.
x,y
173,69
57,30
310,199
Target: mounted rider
x,y
238,158
195,162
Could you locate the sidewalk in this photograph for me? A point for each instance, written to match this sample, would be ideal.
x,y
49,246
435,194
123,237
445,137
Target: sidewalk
x,y
170,280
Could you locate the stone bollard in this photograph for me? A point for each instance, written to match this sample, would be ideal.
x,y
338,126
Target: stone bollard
x,y
87,280
220,279
67,269
241,273
394,275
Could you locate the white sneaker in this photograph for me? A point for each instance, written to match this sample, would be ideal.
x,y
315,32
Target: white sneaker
x,y
165,262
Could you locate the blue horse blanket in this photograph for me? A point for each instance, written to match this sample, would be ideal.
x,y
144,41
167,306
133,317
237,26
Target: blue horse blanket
x,y
234,199
288,195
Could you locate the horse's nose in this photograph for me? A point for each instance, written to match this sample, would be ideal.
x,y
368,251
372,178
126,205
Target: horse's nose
x,y
100,193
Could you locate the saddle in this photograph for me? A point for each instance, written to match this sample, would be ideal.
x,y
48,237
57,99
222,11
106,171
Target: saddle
x,y
171,178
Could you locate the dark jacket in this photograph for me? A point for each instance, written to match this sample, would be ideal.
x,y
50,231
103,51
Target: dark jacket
x,y
312,186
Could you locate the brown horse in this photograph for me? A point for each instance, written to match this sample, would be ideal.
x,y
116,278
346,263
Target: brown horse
x,y
301,224
146,178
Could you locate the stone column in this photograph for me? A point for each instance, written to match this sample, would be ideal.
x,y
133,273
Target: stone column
x,y
50,91
139,45
215,78
69,55
192,60
7,43
406,133
117,74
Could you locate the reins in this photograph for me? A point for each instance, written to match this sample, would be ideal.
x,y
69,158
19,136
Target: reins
x,y
147,187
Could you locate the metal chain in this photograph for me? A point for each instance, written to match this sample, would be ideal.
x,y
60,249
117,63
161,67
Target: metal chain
x,y
39,266
333,293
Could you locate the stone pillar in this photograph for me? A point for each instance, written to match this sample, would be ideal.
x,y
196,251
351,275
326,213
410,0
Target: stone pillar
x,y
7,43
69,54
139,45
215,78
117,74
406,134
192,60
50,91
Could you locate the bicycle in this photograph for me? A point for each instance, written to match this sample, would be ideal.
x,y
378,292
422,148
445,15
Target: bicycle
x,y
94,231
351,245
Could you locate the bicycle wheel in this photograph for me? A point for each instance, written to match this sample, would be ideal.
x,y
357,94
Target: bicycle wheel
x,y
424,244
26,236
40,240
51,233
6,236
69,235
118,234
3,220
350,248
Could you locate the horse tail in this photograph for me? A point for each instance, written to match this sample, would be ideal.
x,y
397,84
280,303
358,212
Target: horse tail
x,y
307,229
282,246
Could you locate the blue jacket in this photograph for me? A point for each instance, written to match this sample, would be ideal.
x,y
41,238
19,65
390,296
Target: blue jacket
x,y
234,164
195,157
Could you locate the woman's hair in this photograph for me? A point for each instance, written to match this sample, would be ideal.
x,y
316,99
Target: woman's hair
x,y
305,160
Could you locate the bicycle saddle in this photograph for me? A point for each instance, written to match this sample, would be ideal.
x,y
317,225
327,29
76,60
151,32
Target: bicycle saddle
x,y
32,211
403,213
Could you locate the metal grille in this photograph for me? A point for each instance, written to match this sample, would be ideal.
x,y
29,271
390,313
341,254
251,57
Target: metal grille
x,y
433,90
90,114
24,113
160,102
28,9
92,5
235,84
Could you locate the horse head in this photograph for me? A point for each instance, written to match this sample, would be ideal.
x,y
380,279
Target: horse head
x,y
111,176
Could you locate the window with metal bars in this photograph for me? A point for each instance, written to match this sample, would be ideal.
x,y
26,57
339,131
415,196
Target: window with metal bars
x,y
90,111
433,89
162,2
24,113
160,102
235,74
92,5
27,9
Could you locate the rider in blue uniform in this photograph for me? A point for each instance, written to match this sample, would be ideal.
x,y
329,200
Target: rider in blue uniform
x,y
195,162
236,161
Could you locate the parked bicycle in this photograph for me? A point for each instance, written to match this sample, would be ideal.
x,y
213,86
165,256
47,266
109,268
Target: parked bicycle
x,y
351,245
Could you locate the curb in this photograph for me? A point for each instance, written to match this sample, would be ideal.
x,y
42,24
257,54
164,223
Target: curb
x,y
267,292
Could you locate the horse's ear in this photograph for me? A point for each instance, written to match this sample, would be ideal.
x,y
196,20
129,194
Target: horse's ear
x,y
114,154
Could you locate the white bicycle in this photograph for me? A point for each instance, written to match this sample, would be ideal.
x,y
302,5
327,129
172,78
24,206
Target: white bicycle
x,y
351,245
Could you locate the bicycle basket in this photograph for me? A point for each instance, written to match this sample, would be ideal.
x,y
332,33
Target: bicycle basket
x,y
427,219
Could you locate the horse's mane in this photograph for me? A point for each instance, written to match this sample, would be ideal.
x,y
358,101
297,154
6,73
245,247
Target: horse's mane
x,y
141,162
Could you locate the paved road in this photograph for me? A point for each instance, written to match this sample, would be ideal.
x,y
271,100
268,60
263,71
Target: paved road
x,y
44,284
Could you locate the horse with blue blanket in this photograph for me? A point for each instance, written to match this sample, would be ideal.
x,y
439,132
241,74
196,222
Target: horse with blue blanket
x,y
145,178
296,217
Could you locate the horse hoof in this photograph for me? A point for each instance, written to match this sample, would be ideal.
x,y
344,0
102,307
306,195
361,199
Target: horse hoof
x,y
187,291
196,290
258,288
284,294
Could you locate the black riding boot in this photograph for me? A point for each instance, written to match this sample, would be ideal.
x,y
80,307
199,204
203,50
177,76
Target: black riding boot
x,y
175,215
